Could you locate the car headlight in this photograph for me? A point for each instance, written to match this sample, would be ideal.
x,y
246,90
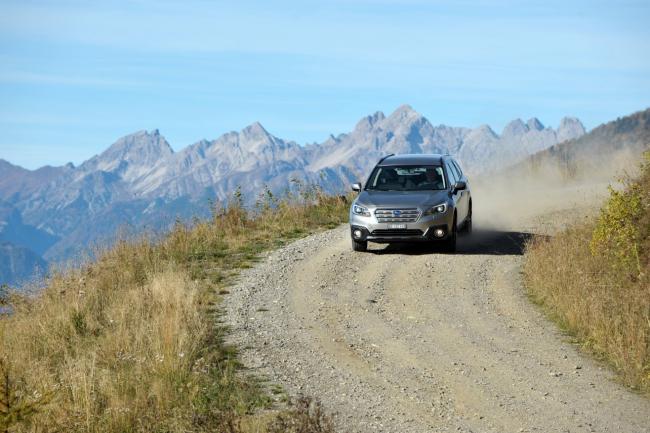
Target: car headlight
x,y
360,210
439,208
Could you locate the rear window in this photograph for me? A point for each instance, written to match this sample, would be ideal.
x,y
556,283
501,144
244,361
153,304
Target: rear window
x,y
407,178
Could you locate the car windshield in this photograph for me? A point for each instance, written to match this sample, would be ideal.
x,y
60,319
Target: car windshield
x,y
407,178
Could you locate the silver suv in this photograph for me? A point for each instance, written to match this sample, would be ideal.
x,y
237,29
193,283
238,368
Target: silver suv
x,y
410,198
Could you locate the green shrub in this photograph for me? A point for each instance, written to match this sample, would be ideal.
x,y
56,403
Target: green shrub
x,y
620,233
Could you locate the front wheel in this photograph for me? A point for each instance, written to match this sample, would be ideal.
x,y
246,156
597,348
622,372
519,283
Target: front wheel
x,y
361,246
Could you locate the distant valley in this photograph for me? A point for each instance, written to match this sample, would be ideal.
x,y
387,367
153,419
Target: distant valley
x,y
139,183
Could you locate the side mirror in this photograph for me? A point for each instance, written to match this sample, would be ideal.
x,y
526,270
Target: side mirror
x,y
459,186
356,187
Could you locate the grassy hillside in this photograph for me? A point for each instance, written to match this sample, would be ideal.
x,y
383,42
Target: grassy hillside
x,y
601,153
594,280
132,342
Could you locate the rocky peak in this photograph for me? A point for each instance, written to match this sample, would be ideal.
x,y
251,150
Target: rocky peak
x,y
404,120
139,147
534,124
403,112
131,156
483,131
255,130
368,123
514,128
570,128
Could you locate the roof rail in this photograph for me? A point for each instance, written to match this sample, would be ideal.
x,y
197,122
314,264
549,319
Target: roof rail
x,y
384,157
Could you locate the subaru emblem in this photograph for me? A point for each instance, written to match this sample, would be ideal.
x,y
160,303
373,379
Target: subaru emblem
x,y
397,213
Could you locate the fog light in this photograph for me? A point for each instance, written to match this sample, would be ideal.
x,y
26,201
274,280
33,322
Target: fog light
x,y
438,233
357,234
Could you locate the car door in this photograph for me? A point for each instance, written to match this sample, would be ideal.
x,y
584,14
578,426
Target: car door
x,y
456,195
465,194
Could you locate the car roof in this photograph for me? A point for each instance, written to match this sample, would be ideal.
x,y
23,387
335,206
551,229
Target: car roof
x,y
412,159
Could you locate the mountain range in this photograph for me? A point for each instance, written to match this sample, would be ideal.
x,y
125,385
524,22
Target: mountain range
x,y
140,182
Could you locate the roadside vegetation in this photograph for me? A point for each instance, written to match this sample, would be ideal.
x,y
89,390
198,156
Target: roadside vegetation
x,y
132,341
593,279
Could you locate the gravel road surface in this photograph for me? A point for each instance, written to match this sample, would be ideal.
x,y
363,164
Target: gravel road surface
x,y
407,339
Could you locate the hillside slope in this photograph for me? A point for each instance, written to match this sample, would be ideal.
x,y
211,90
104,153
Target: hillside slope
x,y
603,152
132,342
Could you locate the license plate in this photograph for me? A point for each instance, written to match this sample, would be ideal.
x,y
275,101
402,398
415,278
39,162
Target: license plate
x,y
396,226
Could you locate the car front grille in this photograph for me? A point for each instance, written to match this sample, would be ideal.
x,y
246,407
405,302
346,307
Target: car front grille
x,y
397,215
397,232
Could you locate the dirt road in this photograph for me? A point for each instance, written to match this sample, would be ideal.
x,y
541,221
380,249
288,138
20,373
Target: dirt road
x,y
403,339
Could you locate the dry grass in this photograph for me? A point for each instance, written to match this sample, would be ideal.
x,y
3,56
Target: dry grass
x,y
131,342
306,416
593,280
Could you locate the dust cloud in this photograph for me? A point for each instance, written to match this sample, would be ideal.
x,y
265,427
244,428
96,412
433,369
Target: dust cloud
x,y
545,195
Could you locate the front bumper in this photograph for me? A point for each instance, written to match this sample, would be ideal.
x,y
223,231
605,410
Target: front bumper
x,y
420,231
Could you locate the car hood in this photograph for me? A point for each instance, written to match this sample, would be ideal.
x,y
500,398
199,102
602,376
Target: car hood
x,y
392,199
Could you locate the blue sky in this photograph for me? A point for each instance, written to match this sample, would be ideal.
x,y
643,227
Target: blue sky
x,y
75,76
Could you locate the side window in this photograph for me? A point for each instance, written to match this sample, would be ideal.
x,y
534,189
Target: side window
x,y
451,174
459,172
455,170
